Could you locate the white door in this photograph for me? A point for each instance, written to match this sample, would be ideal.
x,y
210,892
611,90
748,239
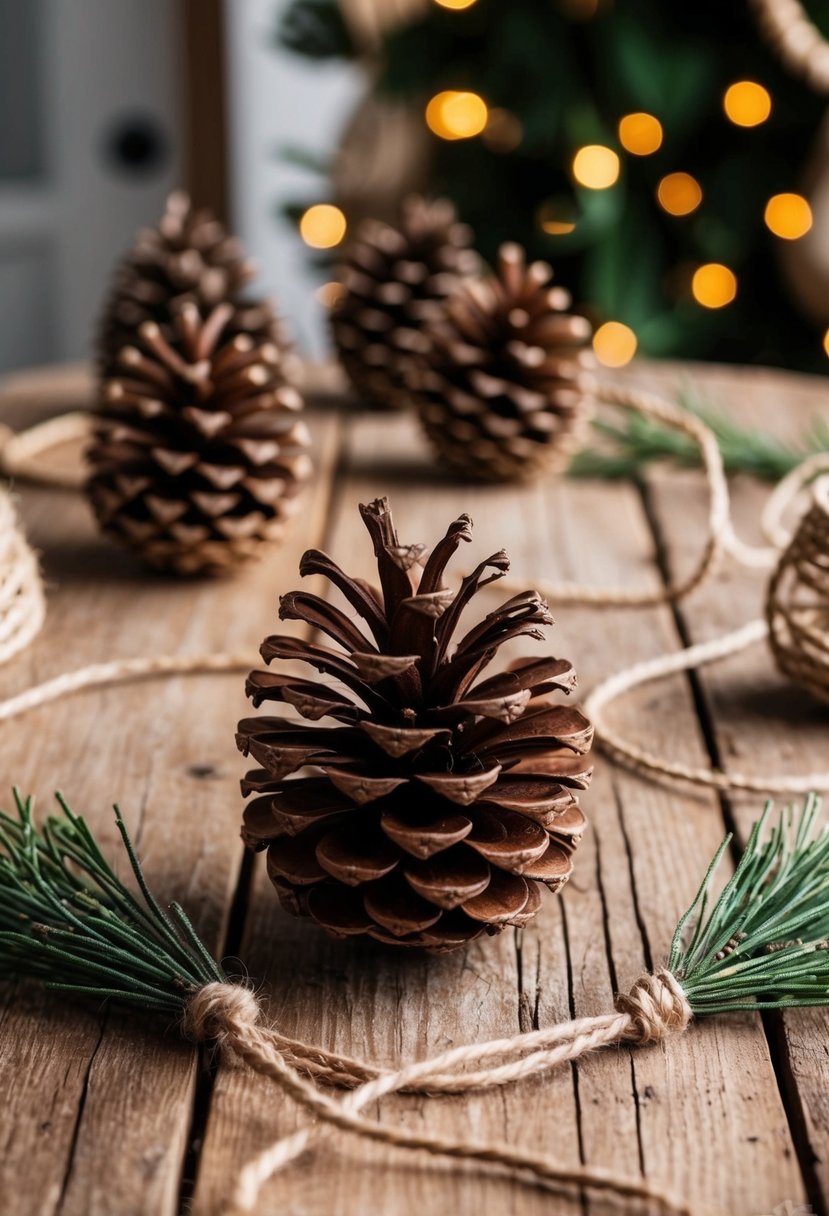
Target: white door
x,y
89,147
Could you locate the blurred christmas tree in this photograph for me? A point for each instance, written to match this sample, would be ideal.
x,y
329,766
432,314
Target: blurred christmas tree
x,y
658,155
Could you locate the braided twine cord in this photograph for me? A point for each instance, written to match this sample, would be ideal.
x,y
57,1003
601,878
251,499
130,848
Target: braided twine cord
x,y
795,39
227,1014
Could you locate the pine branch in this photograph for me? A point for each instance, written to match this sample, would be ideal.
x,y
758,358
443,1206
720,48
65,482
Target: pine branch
x,y
68,921
625,450
764,943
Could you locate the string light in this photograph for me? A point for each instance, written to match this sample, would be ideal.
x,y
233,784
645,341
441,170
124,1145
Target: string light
x,y
614,344
747,103
714,285
679,193
329,294
596,167
322,226
640,133
455,114
503,131
557,216
455,4
788,216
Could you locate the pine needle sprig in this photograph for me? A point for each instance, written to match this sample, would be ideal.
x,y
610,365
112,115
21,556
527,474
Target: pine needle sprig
x,y
625,449
765,942
67,920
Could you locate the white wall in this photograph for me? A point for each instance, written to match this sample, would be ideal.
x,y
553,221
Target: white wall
x,y
277,98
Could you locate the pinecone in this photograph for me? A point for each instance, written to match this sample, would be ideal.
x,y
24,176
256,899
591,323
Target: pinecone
x,y
396,280
437,803
503,390
189,257
199,448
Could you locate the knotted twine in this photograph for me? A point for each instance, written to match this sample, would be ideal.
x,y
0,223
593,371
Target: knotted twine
x,y
228,1015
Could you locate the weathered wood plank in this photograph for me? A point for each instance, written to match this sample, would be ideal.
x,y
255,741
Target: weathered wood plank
x,y
658,1110
760,722
97,1109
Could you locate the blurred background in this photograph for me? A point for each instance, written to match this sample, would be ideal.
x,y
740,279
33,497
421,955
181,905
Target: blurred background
x,y
663,158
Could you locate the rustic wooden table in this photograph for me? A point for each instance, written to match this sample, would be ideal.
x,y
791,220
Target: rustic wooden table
x,y
103,1115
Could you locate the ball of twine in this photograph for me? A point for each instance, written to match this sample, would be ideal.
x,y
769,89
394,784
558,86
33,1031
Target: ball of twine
x,y
797,603
22,598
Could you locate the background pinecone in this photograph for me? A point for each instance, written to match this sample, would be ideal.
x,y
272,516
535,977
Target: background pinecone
x,y
189,257
438,804
199,447
395,280
503,388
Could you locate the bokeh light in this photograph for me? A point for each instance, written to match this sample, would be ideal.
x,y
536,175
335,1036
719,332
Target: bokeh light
x,y
614,344
596,167
455,4
557,216
788,216
640,133
503,131
322,226
747,103
714,285
679,193
455,114
329,294
826,342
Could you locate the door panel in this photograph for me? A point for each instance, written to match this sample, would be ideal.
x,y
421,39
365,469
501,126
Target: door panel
x,y
91,147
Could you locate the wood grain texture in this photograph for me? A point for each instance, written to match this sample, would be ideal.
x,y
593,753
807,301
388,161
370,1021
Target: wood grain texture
x,y
100,1125
758,720
707,1115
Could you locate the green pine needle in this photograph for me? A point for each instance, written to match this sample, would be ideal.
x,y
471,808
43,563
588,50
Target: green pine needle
x,y
68,921
763,944
626,449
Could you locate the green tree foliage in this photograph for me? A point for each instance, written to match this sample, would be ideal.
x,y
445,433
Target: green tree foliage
x,y
569,80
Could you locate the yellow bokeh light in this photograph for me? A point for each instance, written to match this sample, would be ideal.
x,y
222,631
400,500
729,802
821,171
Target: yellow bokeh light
x,y
456,115
788,216
714,285
455,4
322,226
596,167
640,133
826,342
329,294
503,132
679,193
614,344
747,103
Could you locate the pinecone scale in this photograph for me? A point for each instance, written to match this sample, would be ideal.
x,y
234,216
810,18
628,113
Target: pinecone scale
x,y
438,803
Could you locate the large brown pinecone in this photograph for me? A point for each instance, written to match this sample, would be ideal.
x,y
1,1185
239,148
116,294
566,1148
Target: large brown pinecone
x,y
436,804
395,280
199,445
504,389
189,257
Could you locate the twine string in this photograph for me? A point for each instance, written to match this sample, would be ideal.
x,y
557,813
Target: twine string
x,y
795,39
229,1016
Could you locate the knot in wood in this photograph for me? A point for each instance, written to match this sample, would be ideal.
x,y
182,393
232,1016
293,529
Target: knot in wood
x,y
656,1006
217,1011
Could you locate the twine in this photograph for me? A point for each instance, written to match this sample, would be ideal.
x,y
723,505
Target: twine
x,y
228,1015
719,533
22,599
796,626
795,39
